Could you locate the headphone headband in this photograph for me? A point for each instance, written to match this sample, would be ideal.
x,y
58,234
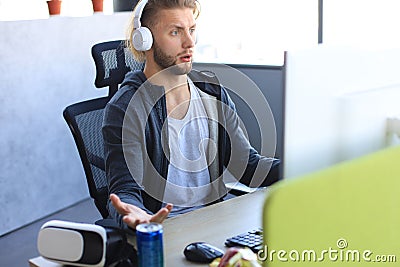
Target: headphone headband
x,y
138,13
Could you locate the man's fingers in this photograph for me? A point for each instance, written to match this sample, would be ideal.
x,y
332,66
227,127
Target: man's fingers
x,y
133,222
162,214
169,206
115,200
134,216
118,204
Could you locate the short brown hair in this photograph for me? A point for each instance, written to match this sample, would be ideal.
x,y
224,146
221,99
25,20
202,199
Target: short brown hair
x,y
148,18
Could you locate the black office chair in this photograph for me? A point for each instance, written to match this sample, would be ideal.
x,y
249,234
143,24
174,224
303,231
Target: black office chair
x,y
113,60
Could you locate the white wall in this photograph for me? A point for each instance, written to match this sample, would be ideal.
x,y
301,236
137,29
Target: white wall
x,y
338,100
45,65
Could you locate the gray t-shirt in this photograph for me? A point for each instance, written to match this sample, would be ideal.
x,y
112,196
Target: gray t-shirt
x,y
188,175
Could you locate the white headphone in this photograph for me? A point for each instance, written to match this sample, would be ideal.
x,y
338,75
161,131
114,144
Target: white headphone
x,y
142,39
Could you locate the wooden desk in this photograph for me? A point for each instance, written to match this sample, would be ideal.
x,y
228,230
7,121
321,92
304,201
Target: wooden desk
x,y
212,224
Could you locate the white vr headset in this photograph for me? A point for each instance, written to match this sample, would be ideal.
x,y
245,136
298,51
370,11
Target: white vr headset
x,y
80,244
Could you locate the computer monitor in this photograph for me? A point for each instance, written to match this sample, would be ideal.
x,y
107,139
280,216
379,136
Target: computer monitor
x,y
337,101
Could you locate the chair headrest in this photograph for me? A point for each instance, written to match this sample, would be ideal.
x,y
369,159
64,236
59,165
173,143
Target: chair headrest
x,y
113,60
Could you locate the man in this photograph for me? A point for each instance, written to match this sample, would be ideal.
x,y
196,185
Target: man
x,y
170,132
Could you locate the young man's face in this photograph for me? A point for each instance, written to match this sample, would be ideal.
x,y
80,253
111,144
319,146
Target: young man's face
x,y
174,39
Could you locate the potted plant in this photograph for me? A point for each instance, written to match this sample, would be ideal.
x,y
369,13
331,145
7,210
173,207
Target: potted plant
x,y
54,7
97,5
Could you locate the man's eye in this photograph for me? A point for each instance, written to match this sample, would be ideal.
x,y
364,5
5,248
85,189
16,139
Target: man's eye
x,y
192,31
174,32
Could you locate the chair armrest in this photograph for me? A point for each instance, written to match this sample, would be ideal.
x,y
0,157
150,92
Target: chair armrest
x,y
239,189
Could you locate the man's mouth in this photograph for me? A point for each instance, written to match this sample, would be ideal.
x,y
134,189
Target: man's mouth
x,y
186,58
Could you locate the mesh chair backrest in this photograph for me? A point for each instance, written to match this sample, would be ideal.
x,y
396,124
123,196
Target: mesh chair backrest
x,y
113,60
85,121
89,124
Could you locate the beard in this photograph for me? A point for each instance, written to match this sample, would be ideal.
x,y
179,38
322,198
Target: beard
x,y
169,62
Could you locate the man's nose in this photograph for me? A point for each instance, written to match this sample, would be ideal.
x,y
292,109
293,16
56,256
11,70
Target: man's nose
x,y
189,39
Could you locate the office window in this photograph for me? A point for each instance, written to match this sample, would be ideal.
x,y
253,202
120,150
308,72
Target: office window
x,y
255,31
363,23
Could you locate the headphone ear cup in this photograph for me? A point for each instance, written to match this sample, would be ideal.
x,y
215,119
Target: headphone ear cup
x,y
142,39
